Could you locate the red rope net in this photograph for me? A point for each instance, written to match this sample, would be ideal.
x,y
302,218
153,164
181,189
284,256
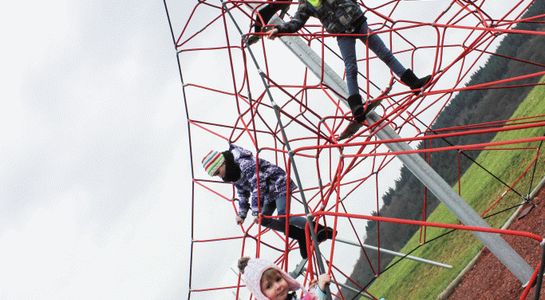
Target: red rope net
x,y
226,101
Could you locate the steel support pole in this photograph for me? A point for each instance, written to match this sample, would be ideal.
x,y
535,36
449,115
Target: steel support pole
x,y
444,192
418,166
395,253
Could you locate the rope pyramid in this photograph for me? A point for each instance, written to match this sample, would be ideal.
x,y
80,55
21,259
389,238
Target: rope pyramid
x,y
263,98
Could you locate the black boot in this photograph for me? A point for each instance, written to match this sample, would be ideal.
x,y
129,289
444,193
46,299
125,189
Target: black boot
x,y
325,233
359,113
267,12
410,79
356,106
298,234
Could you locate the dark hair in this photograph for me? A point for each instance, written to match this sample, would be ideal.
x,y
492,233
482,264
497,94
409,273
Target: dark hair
x,y
242,263
232,169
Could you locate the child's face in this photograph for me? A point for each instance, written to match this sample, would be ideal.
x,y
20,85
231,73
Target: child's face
x,y
221,171
273,285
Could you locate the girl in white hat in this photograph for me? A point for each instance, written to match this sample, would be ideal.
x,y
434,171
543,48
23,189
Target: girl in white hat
x,y
267,281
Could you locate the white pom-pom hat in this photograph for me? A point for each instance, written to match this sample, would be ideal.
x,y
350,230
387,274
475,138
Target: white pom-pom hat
x,y
255,269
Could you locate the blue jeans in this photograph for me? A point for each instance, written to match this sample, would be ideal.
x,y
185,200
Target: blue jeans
x,y
280,224
347,45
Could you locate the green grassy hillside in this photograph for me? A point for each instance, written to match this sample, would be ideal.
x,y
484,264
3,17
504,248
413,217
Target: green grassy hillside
x,y
411,280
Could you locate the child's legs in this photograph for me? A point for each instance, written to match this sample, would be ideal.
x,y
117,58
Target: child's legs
x,y
281,209
268,11
279,6
279,224
377,46
347,45
275,224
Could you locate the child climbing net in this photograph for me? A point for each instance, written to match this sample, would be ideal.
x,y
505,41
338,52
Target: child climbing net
x,y
230,77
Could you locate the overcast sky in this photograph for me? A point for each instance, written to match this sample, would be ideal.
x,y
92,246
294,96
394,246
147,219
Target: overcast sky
x,y
93,159
94,180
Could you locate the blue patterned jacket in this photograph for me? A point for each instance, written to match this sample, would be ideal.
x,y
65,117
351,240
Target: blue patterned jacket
x,y
272,181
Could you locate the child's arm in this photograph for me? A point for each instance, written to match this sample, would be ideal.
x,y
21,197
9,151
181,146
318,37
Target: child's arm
x,y
323,280
296,23
319,289
243,204
248,169
257,189
246,186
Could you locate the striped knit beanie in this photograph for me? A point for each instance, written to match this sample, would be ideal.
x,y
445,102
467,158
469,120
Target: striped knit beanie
x,y
212,162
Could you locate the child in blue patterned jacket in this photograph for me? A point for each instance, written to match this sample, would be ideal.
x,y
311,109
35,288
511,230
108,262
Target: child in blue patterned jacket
x,y
238,166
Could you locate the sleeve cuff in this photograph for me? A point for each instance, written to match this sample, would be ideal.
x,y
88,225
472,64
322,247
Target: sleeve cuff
x,y
319,293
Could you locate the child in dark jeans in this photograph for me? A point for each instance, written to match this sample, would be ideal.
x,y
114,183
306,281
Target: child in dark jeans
x,y
346,17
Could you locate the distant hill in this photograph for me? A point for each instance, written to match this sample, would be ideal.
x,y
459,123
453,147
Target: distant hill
x,y
405,199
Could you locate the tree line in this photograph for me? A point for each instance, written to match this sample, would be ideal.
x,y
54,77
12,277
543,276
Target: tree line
x,y
404,199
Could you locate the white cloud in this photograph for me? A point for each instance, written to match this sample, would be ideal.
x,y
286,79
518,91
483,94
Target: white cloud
x,y
94,161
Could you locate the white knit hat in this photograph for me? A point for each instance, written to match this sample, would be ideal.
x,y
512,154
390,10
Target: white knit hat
x,y
255,269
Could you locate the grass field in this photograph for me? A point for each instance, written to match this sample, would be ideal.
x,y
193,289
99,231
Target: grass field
x,y
411,280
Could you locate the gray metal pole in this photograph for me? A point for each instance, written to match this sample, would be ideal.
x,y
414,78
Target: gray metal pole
x,y
537,188
443,191
503,251
364,294
395,253
295,171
